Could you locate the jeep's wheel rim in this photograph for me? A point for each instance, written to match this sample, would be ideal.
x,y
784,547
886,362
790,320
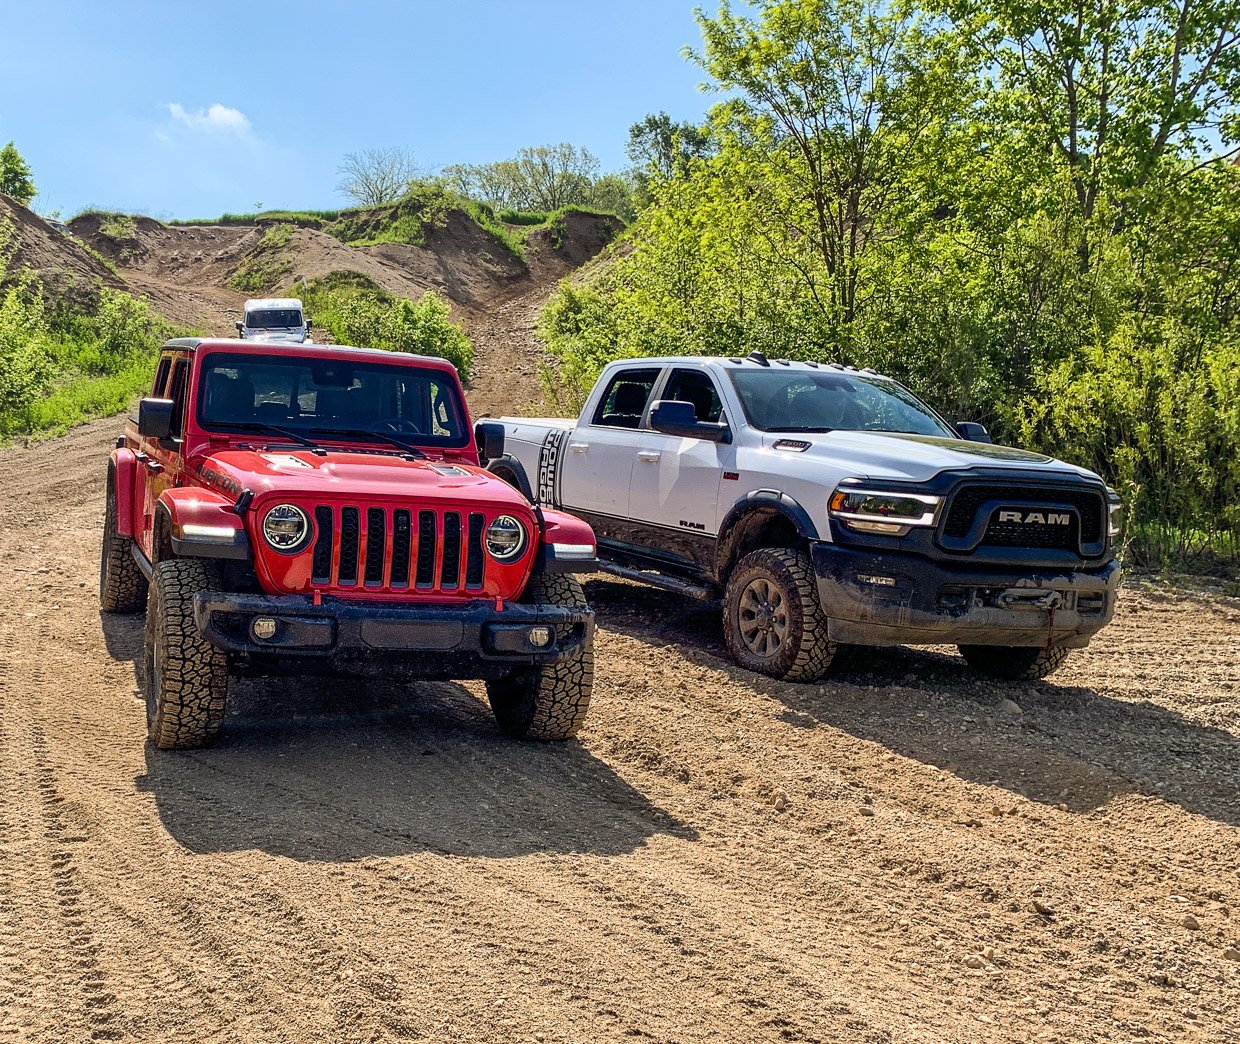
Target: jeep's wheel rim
x,y
762,617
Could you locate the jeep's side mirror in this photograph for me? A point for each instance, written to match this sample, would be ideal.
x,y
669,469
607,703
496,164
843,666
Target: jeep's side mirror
x,y
673,417
240,326
973,431
155,418
490,438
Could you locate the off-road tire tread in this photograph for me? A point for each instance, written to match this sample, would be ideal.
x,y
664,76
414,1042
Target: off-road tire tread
x,y
814,649
189,710
1014,663
547,703
122,587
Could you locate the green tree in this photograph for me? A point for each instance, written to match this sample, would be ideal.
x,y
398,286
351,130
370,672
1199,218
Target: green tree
x,y
16,179
542,178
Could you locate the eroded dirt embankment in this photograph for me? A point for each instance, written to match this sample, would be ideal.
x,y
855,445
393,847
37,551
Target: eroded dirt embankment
x,y
378,864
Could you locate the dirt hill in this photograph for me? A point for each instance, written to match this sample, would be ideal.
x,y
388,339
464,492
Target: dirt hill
x,y
191,274
60,260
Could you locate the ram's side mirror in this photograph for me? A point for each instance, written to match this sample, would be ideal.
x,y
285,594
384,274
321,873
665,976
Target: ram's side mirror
x,y
240,326
490,438
673,417
973,431
309,324
155,418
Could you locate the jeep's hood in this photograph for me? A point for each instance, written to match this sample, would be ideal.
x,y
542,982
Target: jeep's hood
x,y
916,458
301,473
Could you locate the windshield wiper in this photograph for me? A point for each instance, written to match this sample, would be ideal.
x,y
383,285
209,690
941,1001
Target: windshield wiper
x,y
362,433
260,427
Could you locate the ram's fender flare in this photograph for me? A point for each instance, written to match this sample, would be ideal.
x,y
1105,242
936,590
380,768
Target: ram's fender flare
x,y
765,502
507,462
199,523
122,473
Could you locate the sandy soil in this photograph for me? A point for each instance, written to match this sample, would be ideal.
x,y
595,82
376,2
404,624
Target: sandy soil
x,y
892,855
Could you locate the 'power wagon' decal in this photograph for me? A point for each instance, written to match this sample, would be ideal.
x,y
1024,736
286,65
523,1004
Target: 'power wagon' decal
x,y
549,457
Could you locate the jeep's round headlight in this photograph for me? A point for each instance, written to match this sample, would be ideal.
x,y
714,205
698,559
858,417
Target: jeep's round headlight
x,y
505,538
286,528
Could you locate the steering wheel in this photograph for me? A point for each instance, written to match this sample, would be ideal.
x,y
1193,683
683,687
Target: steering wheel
x,y
400,427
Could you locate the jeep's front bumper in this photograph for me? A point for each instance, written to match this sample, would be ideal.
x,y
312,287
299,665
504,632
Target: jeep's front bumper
x,y
889,598
472,640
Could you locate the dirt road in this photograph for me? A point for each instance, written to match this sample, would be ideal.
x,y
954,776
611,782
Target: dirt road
x,y
373,865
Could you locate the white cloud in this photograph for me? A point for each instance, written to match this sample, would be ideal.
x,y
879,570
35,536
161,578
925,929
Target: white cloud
x,y
216,119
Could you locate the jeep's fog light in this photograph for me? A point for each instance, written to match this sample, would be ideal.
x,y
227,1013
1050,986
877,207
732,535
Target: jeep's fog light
x,y
286,528
263,627
540,636
505,538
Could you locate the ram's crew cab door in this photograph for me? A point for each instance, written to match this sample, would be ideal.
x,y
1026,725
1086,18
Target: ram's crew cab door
x,y
597,459
675,486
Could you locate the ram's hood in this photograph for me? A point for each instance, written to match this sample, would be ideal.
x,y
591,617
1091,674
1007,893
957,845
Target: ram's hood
x,y
916,458
301,473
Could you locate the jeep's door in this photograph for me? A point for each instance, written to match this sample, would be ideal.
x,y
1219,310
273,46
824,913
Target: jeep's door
x,y
160,459
674,491
599,455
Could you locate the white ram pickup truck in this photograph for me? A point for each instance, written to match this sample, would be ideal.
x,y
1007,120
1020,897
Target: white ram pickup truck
x,y
826,505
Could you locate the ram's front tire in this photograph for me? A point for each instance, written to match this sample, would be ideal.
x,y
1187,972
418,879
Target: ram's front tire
x,y
550,702
122,587
772,621
1014,663
185,677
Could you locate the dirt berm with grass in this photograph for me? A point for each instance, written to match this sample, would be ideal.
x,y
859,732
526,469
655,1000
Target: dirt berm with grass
x,y
901,852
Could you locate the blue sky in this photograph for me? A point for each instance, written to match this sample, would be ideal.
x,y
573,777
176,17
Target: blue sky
x,y
179,109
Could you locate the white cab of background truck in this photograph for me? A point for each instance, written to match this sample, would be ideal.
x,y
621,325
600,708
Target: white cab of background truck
x,y
280,319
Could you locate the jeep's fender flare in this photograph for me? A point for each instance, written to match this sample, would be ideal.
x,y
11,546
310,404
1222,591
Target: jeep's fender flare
x,y
507,462
192,522
568,543
758,503
122,472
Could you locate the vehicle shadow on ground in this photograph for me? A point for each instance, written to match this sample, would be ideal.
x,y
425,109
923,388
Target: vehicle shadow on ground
x,y
345,769
1072,745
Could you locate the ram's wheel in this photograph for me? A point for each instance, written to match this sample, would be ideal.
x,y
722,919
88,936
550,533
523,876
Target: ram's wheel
x,y
122,587
550,702
186,677
1014,663
772,621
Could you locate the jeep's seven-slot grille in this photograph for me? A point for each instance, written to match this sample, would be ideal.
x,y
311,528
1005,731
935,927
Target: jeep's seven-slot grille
x,y
1086,526
442,549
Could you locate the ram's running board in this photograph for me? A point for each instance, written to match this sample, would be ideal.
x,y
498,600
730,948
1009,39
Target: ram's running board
x,y
702,592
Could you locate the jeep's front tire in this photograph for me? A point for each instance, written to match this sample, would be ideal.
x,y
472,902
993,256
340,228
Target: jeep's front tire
x,y
1014,663
185,677
772,622
549,702
122,587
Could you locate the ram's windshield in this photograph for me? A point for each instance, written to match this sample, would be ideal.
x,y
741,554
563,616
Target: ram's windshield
x,y
828,400
273,318
324,398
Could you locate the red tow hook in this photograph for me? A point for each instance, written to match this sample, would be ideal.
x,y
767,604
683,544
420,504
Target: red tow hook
x,y
499,604
316,597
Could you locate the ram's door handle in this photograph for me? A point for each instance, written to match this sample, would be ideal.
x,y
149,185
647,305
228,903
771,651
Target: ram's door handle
x,y
579,447
648,456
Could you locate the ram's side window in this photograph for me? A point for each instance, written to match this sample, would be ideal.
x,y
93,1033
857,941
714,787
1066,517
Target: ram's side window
x,y
696,387
625,397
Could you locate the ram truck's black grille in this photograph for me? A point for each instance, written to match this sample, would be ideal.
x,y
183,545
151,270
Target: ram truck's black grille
x,y
1086,526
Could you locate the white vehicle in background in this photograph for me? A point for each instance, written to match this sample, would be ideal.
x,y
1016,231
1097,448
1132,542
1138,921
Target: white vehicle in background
x,y
277,319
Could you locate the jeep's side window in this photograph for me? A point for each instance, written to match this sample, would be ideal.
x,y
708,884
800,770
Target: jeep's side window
x,y
696,387
624,400
177,394
161,376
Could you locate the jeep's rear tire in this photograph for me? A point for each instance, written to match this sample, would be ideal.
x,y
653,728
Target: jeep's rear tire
x,y
1014,663
772,621
122,587
550,702
185,677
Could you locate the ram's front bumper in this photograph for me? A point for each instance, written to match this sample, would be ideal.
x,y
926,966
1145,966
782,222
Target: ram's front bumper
x,y
887,598
471,640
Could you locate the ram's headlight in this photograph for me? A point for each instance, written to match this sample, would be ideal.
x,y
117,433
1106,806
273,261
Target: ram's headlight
x,y
886,513
286,528
1115,515
505,538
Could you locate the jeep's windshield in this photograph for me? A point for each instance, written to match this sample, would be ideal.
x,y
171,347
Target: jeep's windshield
x,y
828,400
326,398
272,318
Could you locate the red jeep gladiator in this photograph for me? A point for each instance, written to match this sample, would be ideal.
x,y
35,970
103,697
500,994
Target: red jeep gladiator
x,y
305,509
